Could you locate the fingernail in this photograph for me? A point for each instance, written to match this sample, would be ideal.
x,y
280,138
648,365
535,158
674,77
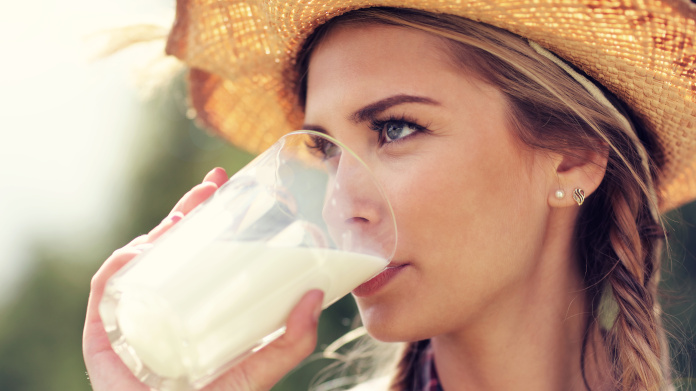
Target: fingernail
x,y
213,171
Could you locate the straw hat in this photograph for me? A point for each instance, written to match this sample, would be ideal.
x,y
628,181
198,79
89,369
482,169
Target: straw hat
x,y
241,56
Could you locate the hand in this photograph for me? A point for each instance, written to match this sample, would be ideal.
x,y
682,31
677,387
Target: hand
x,y
259,372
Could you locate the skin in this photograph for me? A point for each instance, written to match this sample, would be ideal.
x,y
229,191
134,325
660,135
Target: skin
x,y
486,264
487,269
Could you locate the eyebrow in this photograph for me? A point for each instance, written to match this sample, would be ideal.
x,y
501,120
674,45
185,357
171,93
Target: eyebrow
x,y
370,111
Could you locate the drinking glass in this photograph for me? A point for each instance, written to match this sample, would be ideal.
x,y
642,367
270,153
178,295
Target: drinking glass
x,y
305,214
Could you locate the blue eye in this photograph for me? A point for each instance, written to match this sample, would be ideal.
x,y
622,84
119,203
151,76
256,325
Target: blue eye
x,y
393,129
396,130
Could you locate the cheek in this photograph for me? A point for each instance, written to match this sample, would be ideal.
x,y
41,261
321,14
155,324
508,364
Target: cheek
x,y
451,195
468,223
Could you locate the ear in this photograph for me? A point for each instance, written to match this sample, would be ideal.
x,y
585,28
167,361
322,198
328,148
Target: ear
x,y
583,170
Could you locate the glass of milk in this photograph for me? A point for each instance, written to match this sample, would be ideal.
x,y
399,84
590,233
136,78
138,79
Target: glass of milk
x,y
306,214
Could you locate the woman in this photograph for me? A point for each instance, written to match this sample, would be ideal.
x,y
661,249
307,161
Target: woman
x,y
527,196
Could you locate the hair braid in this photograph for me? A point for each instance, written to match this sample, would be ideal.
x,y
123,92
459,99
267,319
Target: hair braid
x,y
619,242
635,331
635,334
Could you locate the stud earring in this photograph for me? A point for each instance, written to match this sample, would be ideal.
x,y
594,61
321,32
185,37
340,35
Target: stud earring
x,y
559,194
579,196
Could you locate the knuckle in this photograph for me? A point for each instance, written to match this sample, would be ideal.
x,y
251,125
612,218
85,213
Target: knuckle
x,y
116,253
137,240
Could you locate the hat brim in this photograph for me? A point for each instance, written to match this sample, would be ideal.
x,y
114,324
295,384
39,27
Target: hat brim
x,y
242,56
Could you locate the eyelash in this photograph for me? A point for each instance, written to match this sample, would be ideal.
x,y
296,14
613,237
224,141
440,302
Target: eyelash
x,y
322,145
378,125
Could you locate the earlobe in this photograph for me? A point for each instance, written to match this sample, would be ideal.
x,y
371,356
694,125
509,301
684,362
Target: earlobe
x,y
558,199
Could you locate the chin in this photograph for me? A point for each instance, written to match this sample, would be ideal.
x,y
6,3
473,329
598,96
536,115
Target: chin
x,y
387,326
395,335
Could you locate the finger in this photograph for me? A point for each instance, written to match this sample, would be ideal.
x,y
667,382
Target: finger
x,y
163,227
194,197
263,369
301,323
136,241
96,345
121,257
112,264
95,340
124,255
107,372
217,175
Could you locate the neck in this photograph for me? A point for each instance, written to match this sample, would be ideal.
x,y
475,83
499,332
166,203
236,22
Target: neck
x,y
532,336
540,351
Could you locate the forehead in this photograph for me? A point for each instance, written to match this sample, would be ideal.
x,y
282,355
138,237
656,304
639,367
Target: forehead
x,y
379,36
359,47
360,63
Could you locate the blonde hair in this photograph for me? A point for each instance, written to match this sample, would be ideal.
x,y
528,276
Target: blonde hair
x,y
618,233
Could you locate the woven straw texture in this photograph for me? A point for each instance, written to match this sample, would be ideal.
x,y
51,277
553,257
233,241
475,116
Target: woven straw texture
x,y
241,56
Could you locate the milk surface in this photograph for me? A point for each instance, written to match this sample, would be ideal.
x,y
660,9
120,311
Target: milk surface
x,y
202,314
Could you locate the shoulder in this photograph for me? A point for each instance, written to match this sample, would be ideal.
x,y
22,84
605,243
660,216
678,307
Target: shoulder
x,y
378,384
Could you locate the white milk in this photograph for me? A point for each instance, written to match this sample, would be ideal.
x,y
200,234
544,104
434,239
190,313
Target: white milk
x,y
204,314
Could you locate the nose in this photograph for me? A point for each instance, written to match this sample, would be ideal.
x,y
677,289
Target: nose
x,y
352,196
355,209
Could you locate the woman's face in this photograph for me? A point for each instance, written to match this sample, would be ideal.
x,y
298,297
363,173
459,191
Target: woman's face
x,y
470,201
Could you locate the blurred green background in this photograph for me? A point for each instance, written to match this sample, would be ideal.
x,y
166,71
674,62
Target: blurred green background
x,y
42,310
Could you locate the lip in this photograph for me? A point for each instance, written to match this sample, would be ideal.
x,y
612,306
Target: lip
x,y
373,285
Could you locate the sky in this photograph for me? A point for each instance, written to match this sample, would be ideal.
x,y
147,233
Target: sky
x,y
67,121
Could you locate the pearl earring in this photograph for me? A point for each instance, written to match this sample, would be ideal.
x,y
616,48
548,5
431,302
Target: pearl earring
x,y
579,196
560,194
